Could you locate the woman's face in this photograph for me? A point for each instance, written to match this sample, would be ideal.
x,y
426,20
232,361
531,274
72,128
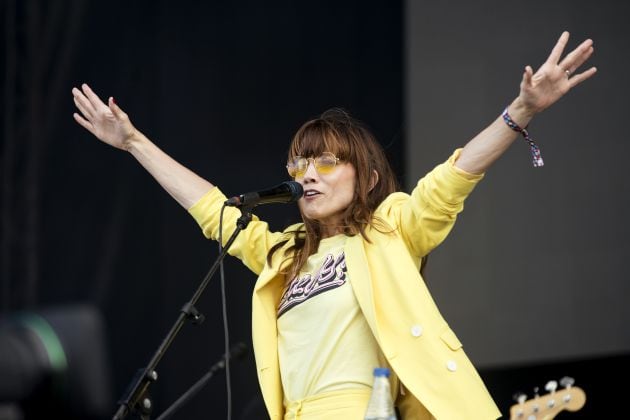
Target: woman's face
x,y
326,196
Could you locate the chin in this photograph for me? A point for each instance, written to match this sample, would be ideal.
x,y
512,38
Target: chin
x,y
310,216
308,211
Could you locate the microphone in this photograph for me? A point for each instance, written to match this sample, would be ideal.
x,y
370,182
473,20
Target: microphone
x,y
287,192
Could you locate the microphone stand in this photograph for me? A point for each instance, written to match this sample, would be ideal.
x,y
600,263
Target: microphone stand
x,y
137,398
235,352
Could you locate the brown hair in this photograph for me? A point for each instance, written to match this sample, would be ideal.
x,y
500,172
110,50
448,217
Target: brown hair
x,y
352,142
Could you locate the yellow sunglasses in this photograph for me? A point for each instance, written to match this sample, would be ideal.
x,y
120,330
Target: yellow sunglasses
x,y
324,164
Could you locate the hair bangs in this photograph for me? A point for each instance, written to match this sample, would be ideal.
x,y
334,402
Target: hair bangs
x,y
319,136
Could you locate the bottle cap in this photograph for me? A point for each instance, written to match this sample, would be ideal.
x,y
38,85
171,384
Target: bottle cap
x,y
380,371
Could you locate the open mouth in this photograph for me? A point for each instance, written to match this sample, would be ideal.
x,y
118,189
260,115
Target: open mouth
x,y
311,193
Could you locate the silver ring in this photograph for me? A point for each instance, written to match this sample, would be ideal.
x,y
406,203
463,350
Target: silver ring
x,y
568,73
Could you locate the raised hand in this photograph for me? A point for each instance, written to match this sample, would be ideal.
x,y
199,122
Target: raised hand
x,y
107,122
556,76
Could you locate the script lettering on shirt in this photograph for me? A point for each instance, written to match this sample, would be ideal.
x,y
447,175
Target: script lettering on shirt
x,y
330,275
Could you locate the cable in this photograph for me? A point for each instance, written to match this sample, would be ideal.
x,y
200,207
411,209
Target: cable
x,y
226,333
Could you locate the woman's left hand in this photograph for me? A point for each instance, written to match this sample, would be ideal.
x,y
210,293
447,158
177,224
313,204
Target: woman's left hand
x,y
555,77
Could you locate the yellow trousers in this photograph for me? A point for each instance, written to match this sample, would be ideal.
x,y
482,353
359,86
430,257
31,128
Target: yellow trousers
x,y
347,404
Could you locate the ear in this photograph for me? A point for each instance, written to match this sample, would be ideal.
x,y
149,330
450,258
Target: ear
x,y
373,180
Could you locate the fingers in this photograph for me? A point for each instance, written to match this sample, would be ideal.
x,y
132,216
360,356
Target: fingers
x,y
113,106
557,50
574,60
84,123
526,81
579,78
93,98
83,108
84,105
527,76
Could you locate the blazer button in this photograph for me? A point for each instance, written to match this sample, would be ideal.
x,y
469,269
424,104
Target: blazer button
x,y
451,365
416,330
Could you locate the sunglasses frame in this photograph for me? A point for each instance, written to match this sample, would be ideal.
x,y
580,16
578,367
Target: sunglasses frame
x,y
309,160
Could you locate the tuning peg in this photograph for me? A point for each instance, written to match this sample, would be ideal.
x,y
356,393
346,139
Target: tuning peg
x,y
536,392
567,382
551,386
519,397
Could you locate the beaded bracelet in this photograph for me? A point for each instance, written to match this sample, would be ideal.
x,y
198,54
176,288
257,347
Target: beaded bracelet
x,y
536,157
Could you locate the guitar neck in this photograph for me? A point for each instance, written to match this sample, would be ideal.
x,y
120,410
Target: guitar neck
x,y
550,405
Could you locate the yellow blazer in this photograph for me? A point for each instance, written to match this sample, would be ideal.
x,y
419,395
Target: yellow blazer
x,y
384,274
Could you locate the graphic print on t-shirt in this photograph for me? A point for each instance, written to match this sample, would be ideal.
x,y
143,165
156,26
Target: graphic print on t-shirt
x,y
330,275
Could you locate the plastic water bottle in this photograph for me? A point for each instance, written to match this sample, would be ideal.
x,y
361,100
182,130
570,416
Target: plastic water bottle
x,y
380,406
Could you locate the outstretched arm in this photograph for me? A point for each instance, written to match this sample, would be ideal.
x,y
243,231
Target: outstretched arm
x,y
538,91
112,126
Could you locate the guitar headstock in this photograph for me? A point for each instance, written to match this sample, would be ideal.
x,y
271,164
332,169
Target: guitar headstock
x,y
548,406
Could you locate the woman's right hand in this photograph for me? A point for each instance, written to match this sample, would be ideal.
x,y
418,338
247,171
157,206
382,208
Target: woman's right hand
x,y
107,122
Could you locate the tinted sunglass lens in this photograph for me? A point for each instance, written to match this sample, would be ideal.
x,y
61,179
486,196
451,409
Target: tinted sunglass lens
x,y
325,163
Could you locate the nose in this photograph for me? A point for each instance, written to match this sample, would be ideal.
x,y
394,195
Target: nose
x,y
311,173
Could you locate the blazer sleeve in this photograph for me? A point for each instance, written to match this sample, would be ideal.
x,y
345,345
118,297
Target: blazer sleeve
x,y
426,216
250,246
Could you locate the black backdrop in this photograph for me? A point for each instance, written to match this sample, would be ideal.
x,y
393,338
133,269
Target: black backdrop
x,y
221,86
